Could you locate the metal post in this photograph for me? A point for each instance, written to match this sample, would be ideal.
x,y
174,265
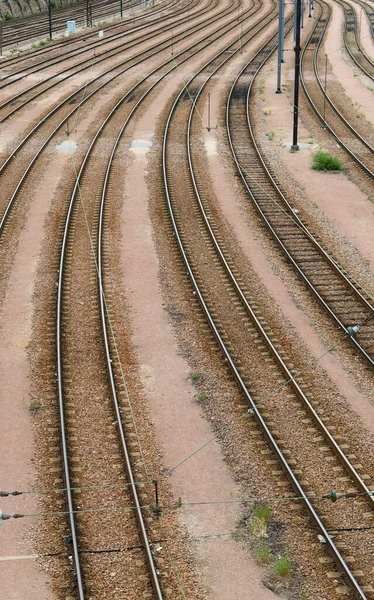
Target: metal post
x,y
294,20
297,77
282,31
302,14
324,97
1,38
309,8
121,8
208,128
280,45
50,18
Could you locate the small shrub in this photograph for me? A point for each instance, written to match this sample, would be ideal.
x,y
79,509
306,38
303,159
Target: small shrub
x,y
310,141
34,405
194,376
270,135
267,111
323,161
262,512
42,43
53,5
201,397
261,89
8,16
282,567
263,554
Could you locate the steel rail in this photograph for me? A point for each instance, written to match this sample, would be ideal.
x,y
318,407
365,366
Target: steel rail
x,y
155,582
27,28
88,62
75,109
281,363
302,228
324,23
253,410
350,27
88,35
10,79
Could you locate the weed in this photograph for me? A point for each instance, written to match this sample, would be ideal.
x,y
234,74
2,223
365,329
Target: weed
x,y
8,16
282,567
323,161
34,405
270,135
310,141
267,111
195,376
263,554
262,512
201,397
42,43
292,150
261,89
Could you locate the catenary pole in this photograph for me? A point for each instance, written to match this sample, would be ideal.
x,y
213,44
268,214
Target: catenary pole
x,y
297,77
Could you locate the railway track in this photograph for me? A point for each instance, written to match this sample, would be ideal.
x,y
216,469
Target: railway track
x,y
352,40
23,165
343,299
332,119
243,338
26,29
23,56
108,51
24,97
85,389
81,380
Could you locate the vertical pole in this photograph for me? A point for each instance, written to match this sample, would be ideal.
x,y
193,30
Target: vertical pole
x,y
282,31
294,20
1,38
50,18
156,490
208,112
172,42
302,14
121,8
324,97
297,77
280,45
309,8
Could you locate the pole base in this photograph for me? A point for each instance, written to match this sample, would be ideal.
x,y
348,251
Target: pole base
x,y
278,91
294,147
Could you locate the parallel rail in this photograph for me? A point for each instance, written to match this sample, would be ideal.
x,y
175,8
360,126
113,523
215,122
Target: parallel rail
x,y
193,89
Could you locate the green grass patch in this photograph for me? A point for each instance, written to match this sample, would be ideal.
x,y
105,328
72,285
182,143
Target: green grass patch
x,y
262,512
270,135
263,554
282,567
195,376
201,397
34,405
8,16
261,89
323,161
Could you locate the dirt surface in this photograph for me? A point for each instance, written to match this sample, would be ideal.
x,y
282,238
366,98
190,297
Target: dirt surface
x,y
169,346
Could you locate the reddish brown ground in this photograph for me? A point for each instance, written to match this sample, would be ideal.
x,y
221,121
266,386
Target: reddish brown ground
x,y
227,571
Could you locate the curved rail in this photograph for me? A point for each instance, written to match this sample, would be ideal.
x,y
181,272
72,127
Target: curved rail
x,y
130,93
305,253
155,50
315,39
253,408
